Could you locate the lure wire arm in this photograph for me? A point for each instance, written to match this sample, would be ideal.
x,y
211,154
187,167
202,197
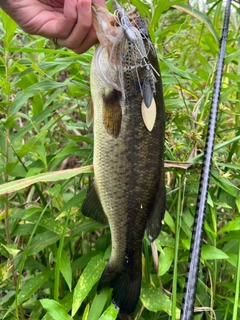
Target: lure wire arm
x,y
196,243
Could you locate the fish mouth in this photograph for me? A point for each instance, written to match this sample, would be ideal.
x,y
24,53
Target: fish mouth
x,y
105,26
109,27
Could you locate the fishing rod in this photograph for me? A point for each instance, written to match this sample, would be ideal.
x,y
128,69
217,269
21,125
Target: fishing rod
x,y
196,243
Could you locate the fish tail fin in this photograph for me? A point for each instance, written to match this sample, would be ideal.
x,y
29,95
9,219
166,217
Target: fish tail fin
x,y
126,286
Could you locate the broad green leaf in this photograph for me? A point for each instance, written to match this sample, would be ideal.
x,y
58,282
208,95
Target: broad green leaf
x,y
110,314
55,309
231,235
36,120
155,300
66,270
73,150
10,27
164,240
30,287
41,241
238,204
24,95
31,144
88,278
98,304
168,220
233,225
11,249
86,312
6,87
7,297
201,17
212,253
66,303
13,186
165,260
182,73
48,222
158,10
233,259
5,271
224,184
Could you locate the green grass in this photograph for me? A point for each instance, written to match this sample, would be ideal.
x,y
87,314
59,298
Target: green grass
x,y
51,256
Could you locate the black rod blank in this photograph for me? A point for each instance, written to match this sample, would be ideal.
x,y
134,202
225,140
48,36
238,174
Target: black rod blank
x,y
196,243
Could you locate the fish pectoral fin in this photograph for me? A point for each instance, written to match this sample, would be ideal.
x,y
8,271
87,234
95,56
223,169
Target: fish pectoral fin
x,y
154,222
112,112
92,206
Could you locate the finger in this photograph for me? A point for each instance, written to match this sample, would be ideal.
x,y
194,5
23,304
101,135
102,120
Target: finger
x,y
87,42
81,28
70,15
83,35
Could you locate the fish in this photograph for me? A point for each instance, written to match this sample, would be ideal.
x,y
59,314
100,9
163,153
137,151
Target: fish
x,y
128,191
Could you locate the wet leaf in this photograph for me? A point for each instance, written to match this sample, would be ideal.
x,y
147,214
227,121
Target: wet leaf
x,y
231,226
30,287
88,278
155,300
165,260
98,304
66,270
55,309
110,314
212,253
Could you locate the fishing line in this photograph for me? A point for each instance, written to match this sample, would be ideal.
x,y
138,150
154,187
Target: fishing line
x,y
196,243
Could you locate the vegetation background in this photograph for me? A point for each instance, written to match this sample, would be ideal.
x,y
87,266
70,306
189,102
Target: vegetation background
x,y
51,256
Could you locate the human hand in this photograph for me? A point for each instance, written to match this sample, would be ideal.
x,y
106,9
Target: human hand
x,y
69,21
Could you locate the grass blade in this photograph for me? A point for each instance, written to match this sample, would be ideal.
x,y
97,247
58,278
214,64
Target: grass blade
x,y
201,17
13,186
89,277
55,309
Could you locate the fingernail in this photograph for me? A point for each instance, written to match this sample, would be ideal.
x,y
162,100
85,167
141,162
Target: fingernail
x,y
86,6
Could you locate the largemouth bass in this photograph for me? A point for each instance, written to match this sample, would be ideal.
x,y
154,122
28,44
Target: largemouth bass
x,y
129,124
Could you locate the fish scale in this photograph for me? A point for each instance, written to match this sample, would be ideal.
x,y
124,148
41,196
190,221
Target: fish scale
x,y
129,184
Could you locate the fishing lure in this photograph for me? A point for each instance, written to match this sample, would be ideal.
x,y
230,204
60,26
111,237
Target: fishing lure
x,y
136,40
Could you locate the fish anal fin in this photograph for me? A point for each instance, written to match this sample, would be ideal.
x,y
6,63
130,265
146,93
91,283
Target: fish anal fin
x,y
154,222
112,112
92,207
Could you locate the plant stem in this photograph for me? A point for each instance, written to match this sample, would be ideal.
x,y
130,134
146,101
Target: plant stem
x,y
237,291
58,259
177,232
8,238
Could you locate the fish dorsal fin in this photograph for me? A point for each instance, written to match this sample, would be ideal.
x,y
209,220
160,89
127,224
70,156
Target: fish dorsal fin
x,y
89,113
149,114
92,206
112,112
154,222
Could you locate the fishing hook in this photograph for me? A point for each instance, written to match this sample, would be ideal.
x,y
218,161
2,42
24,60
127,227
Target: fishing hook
x,y
196,243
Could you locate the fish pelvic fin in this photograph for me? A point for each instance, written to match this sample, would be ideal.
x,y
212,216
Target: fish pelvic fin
x,y
126,287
